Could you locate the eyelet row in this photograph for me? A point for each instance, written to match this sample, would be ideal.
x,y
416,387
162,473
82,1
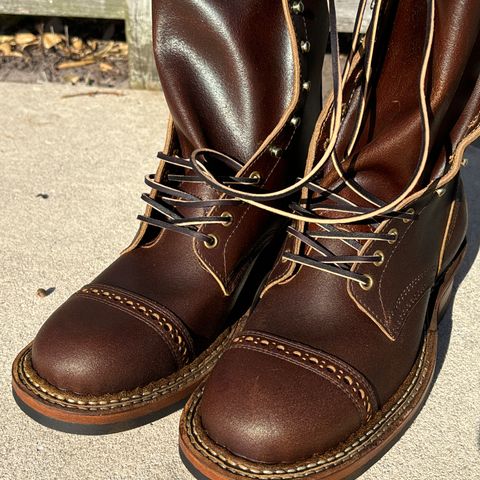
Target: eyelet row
x,y
368,283
297,8
410,211
212,242
229,218
305,46
276,152
380,254
393,232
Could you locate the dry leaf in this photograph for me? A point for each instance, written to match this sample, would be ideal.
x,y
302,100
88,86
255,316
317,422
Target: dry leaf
x,y
92,44
75,64
103,52
73,79
6,51
25,39
105,67
77,44
6,38
50,40
120,50
123,48
42,292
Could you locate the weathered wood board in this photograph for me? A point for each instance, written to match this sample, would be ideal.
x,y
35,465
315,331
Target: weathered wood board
x,y
65,8
138,24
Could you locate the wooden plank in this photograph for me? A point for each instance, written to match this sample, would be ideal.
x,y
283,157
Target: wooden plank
x,y
114,9
138,23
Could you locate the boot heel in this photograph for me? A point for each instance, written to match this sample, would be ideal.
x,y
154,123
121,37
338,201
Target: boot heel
x,y
444,289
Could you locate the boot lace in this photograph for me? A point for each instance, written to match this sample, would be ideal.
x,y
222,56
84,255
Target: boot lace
x,y
166,199
307,213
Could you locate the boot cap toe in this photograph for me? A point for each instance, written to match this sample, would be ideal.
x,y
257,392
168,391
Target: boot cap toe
x,y
90,347
267,409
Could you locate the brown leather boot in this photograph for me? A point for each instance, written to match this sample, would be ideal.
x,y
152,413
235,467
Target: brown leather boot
x,y
338,356
240,77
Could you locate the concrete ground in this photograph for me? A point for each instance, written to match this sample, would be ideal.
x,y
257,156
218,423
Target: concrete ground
x,y
89,154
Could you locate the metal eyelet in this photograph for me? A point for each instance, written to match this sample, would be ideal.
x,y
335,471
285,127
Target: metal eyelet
x,y
393,232
380,254
212,243
305,46
441,192
285,260
298,8
307,86
295,121
367,284
276,152
465,162
256,176
229,219
410,211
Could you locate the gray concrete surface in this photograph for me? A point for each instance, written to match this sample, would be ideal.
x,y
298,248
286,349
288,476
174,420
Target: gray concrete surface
x,y
89,154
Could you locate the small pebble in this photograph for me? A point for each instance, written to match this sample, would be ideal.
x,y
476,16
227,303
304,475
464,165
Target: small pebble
x,y
41,292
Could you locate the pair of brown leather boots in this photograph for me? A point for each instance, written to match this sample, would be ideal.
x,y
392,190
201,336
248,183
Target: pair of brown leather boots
x,y
338,230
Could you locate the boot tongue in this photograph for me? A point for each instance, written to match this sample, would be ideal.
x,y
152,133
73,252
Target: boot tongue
x,y
389,147
389,144
218,66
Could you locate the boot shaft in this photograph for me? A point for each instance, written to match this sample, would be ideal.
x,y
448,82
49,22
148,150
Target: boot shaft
x,y
231,71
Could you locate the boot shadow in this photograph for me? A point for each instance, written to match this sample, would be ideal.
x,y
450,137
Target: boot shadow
x,y
471,181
